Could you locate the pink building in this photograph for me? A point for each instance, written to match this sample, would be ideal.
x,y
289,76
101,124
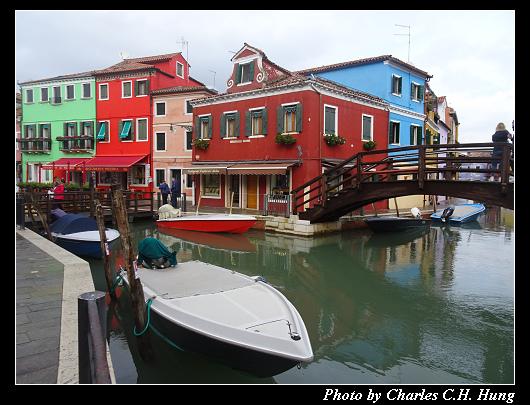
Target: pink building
x,y
173,134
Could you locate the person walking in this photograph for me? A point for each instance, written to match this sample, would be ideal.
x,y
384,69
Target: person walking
x,y
164,189
501,135
175,192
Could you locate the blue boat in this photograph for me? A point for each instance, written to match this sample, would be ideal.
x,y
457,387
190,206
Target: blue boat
x,y
80,235
459,214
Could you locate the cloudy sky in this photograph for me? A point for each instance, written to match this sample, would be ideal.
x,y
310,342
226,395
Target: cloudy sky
x,y
470,54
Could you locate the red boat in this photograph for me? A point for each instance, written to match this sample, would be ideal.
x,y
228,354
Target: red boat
x,y
230,223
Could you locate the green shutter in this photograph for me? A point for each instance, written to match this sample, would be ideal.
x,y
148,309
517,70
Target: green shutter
x,y
420,93
412,135
400,83
238,74
236,125
197,128
248,123
390,131
223,126
419,136
280,119
264,121
299,117
210,127
412,85
251,72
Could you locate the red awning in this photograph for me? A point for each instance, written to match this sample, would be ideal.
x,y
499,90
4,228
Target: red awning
x,y
66,164
119,163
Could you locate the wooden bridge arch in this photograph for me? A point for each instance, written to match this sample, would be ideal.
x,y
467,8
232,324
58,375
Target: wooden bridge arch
x,y
377,175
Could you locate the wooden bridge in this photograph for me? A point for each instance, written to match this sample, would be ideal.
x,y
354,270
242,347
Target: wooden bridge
x,y
377,175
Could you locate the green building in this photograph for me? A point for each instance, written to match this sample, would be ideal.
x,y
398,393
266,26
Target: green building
x,y
57,127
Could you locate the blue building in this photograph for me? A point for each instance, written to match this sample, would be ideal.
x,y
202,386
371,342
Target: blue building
x,y
400,84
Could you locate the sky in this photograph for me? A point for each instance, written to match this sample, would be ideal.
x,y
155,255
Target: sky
x,y
470,54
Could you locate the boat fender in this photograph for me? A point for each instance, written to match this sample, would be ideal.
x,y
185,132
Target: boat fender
x,y
447,213
259,278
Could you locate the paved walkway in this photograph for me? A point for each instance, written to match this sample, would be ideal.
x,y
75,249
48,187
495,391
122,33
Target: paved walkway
x,y
39,287
48,280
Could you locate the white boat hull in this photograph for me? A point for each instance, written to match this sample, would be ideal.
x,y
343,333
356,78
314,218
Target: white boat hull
x,y
227,317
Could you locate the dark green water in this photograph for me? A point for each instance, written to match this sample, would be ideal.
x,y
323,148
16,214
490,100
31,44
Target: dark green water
x,y
431,307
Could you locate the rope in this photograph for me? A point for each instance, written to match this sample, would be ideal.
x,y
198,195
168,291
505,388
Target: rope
x,y
148,305
116,284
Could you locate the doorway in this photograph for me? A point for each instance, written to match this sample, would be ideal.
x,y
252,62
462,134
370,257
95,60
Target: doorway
x,y
252,191
234,187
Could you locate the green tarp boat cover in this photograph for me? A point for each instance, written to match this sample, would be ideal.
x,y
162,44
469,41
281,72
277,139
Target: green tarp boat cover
x,y
151,249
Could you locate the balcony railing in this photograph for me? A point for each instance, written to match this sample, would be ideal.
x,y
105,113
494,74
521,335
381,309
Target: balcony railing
x,y
35,145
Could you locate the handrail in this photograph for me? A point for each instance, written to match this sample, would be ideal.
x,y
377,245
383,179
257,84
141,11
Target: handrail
x,y
418,160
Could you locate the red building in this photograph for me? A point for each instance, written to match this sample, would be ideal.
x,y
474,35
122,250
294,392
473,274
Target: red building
x,y
124,117
243,138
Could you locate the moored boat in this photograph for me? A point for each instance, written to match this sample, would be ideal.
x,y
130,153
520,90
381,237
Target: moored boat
x,y
80,235
459,214
230,223
227,317
398,224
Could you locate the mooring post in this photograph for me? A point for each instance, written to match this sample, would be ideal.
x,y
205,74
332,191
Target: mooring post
x,y
92,331
104,246
135,286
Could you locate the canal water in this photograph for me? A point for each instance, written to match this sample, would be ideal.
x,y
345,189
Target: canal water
x,y
435,306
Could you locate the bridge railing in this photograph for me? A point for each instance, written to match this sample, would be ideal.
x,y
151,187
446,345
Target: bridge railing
x,y
424,162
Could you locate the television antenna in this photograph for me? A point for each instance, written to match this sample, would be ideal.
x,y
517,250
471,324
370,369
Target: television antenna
x,y
185,44
406,26
123,54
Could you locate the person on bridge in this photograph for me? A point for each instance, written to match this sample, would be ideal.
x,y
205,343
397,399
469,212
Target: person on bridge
x,y
501,135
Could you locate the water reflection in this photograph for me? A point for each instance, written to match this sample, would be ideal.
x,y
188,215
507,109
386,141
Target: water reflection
x,y
434,306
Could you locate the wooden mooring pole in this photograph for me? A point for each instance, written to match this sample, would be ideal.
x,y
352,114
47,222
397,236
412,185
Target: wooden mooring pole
x,y
135,286
104,246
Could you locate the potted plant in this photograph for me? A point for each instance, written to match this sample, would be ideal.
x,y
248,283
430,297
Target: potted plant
x,y
369,145
333,140
201,143
285,139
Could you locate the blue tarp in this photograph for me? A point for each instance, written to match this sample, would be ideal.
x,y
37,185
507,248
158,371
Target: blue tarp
x,y
151,248
71,223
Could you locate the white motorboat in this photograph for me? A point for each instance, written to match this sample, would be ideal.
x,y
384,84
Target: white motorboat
x,y
226,316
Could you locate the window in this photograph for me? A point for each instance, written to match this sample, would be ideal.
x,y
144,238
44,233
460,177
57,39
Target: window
x,y
289,118
103,91
416,92
44,95
180,70
70,92
368,128
56,99
102,128
330,120
138,175
126,90
126,130
244,73
396,85
415,135
203,127
29,96
230,125
87,90
70,128
160,141
393,136
189,141
211,185
160,174
189,107
29,131
141,88
45,130
256,122
160,109
142,129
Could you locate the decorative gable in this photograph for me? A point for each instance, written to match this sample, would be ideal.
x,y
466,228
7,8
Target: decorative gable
x,y
252,70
